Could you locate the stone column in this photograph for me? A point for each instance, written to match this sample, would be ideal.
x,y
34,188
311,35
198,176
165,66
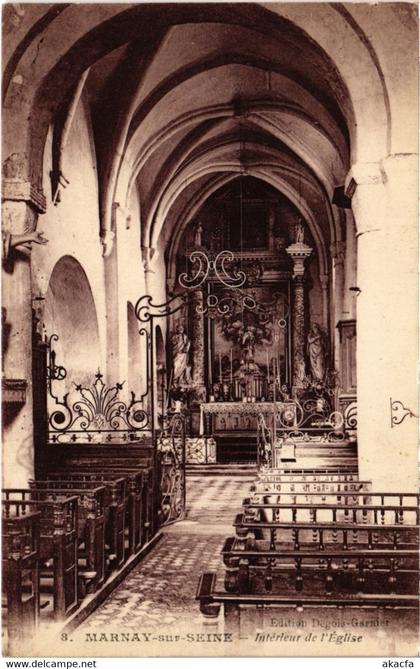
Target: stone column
x,y
385,208
299,252
21,204
198,345
338,250
350,271
324,280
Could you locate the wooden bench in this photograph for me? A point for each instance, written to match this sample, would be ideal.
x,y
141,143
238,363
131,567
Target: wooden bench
x,y
90,526
362,512
316,498
20,582
57,545
113,503
302,485
247,549
346,569
134,460
141,485
282,476
211,600
139,504
322,534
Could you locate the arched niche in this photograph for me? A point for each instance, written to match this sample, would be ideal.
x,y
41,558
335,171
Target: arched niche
x,y
70,313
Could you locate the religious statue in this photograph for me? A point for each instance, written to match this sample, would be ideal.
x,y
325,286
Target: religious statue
x,y
248,341
300,371
180,345
317,351
300,233
198,231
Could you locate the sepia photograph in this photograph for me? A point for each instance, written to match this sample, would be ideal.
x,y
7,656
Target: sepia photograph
x,y
210,329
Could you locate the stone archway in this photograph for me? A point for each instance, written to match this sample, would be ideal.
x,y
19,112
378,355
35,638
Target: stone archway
x,y
70,313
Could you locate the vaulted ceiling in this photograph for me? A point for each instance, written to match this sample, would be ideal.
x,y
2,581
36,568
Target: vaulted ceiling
x,y
180,111
185,97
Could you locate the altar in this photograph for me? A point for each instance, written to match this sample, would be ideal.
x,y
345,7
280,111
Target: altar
x,y
241,417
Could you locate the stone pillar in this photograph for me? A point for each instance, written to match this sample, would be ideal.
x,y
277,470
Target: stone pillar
x,y
338,255
385,207
350,269
299,252
324,281
198,346
21,204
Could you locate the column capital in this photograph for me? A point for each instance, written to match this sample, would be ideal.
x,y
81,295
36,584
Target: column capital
x,y
24,191
393,164
363,174
299,252
16,186
107,241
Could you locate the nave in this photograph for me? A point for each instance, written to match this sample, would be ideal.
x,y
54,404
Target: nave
x,y
209,269
155,608
158,596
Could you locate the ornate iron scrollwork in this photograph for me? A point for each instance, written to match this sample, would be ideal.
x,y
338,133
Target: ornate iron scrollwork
x,y
221,268
264,443
99,412
171,459
399,412
145,310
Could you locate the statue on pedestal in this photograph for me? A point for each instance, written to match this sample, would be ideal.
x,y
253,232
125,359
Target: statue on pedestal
x,y
317,352
198,231
180,346
300,233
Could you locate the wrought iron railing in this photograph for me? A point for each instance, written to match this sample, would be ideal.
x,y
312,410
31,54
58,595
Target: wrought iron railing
x,y
95,413
171,470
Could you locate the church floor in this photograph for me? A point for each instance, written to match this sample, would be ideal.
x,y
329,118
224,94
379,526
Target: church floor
x,y
156,602
160,591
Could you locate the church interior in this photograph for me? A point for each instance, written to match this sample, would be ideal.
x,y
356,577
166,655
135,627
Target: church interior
x,y
209,328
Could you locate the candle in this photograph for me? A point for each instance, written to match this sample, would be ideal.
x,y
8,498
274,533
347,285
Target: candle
x,y
231,366
278,371
220,367
268,367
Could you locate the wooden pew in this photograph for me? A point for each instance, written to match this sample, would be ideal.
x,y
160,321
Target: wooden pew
x,y
390,512
303,485
281,476
257,567
20,582
141,482
115,503
140,497
57,544
145,484
211,600
130,459
90,526
321,534
247,549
